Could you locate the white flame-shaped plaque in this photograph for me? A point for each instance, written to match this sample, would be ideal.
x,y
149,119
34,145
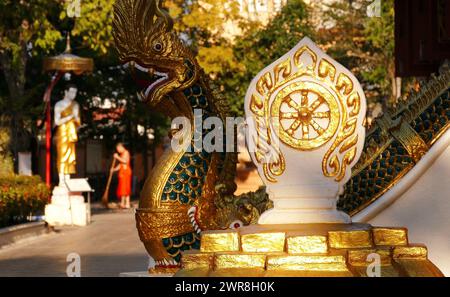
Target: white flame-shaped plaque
x,y
305,116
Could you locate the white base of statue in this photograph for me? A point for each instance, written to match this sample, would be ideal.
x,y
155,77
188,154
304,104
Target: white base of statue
x,y
303,216
297,206
67,209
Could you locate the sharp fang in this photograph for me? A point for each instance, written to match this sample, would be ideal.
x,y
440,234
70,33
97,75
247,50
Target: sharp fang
x,y
139,67
163,76
140,96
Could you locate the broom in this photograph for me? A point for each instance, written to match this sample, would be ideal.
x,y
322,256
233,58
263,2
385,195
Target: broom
x,y
108,184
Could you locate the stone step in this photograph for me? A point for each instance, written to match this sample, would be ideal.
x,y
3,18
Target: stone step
x,y
307,250
239,260
383,236
307,244
307,262
267,241
220,241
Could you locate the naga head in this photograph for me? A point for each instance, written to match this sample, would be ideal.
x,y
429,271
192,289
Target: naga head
x,y
158,60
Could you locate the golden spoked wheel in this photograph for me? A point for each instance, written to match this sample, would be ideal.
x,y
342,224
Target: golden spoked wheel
x,y
308,115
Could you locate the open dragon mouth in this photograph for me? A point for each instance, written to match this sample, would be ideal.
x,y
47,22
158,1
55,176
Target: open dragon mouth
x,y
147,79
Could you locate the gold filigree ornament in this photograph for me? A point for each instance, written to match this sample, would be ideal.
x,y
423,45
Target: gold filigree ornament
x,y
308,101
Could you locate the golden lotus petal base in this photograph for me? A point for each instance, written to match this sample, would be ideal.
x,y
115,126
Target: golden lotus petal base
x,y
307,250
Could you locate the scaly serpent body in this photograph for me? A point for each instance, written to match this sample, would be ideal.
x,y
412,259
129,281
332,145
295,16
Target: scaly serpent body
x,y
179,181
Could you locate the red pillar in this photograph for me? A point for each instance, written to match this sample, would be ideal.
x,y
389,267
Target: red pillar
x,y
48,128
48,145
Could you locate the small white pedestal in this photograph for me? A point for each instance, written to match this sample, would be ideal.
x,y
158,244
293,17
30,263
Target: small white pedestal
x,y
68,206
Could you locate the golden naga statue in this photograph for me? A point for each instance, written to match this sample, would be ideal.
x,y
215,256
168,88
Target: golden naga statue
x,y
191,191
187,191
67,118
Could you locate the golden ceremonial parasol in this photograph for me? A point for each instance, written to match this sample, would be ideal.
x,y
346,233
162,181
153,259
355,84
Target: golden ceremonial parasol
x,y
67,62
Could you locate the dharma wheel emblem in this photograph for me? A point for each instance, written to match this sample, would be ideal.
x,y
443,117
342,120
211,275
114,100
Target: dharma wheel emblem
x,y
306,113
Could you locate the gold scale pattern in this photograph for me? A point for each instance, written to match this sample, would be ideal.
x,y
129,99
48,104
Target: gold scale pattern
x,y
306,250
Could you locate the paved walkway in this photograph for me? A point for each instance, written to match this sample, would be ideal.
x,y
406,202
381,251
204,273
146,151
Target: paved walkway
x,y
108,246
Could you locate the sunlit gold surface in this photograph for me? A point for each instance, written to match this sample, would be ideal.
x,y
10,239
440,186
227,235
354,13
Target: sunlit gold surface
x,y
307,262
419,268
193,260
385,271
225,241
66,141
237,272
239,260
390,236
410,252
66,63
307,244
296,127
156,219
263,242
307,273
351,258
163,270
350,239
359,257
161,223
198,272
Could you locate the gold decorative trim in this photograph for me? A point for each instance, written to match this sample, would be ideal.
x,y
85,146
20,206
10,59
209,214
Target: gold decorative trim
x,y
406,135
158,224
438,135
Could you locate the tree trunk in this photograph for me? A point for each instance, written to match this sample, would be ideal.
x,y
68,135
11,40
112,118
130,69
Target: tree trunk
x,y
14,136
6,160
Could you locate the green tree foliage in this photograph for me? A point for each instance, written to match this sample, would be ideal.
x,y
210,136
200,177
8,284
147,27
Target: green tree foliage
x,y
380,38
206,22
232,61
261,46
363,44
23,25
33,29
94,26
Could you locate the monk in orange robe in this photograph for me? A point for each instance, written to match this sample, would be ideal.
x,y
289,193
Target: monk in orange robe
x,y
124,175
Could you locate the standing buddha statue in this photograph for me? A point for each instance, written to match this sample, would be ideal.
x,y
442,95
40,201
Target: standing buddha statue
x,y
67,118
